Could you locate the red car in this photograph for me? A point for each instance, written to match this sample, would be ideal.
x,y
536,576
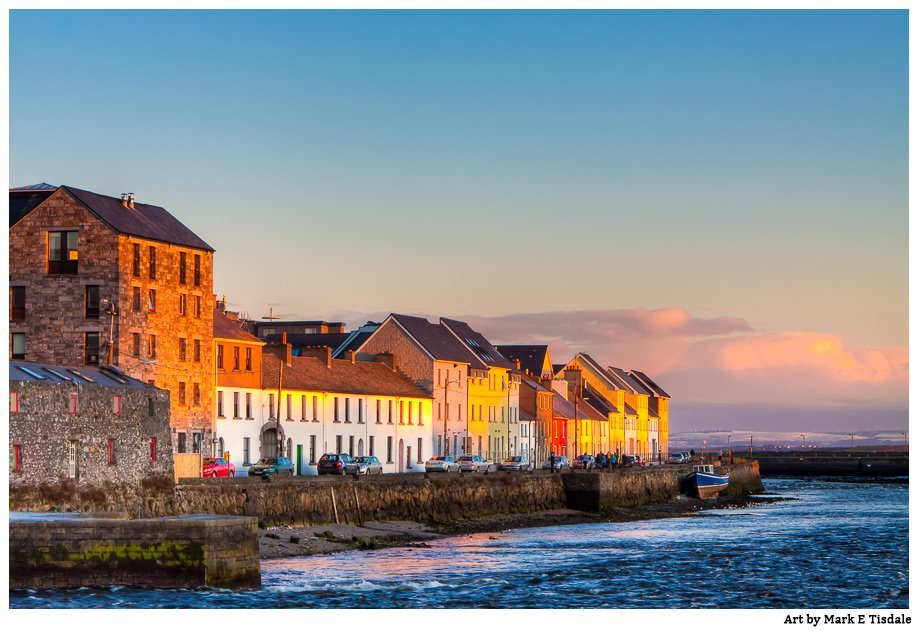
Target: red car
x,y
214,468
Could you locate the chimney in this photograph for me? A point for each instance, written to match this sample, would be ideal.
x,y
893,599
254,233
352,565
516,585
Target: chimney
x,y
516,363
328,357
130,200
124,201
352,356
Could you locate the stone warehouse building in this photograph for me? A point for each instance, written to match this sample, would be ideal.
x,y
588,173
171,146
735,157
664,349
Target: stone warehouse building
x,y
91,424
87,269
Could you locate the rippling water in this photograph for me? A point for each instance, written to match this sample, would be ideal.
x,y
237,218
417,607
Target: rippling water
x,y
839,545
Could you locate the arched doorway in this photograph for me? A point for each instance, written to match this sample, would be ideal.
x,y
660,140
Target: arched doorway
x,y
270,442
360,447
401,455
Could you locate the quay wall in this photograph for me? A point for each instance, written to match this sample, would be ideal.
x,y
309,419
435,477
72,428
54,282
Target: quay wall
x,y
432,498
815,464
74,550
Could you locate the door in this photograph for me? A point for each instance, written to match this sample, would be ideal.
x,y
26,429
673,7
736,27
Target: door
x,y
401,455
72,452
299,460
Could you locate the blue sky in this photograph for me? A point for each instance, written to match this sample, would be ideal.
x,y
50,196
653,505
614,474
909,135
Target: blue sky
x,y
750,165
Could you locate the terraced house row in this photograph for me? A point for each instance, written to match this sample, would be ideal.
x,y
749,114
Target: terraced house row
x,y
98,280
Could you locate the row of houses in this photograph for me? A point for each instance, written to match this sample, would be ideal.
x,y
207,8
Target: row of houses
x,y
101,282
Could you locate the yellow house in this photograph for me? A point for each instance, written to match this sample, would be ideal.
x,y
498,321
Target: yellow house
x,y
658,410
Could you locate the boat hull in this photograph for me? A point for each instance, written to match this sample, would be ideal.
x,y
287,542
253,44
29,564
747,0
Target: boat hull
x,y
705,485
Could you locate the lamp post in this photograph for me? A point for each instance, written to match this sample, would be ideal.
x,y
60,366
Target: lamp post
x,y
852,439
803,436
750,446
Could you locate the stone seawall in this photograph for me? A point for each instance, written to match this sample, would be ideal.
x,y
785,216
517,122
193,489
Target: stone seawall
x,y
434,498
73,550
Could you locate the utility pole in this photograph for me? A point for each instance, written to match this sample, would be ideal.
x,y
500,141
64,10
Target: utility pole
x,y
280,381
445,414
508,413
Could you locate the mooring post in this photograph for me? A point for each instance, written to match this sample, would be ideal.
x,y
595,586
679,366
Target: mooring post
x,y
334,505
359,513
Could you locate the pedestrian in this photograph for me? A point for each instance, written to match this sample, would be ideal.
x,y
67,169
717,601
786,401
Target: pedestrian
x,y
551,459
613,461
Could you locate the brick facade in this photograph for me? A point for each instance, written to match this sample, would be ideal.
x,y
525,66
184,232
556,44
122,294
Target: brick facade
x,y
55,323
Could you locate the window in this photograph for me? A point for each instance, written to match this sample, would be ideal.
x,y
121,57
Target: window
x,y
315,408
196,442
181,393
347,409
116,404
63,253
236,405
151,408
410,413
17,458
312,448
219,356
151,300
248,359
197,394
17,303
91,301
152,262
420,443
197,350
388,449
73,407
359,411
182,443
111,451
182,267
135,299
372,446
136,268
135,342
248,405
152,449
17,346
235,358
14,402
302,408
390,415
182,349
151,346
197,306
378,410
246,453
338,442
420,421
182,304
197,270
337,418
401,413
289,407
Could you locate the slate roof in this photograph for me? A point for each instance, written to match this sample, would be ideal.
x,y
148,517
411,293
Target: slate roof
x,y
632,384
561,407
24,199
229,329
531,357
21,371
598,402
359,378
557,368
652,409
629,410
309,340
531,381
437,340
353,342
480,345
649,383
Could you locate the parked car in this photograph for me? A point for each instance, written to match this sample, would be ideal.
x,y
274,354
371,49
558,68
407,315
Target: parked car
x,y
442,464
217,468
680,457
633,460
475,463
561,463
334,463
584,462
516,464
268,467
364,465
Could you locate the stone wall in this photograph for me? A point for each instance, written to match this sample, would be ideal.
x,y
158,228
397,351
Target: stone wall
x,y
67,551
44,428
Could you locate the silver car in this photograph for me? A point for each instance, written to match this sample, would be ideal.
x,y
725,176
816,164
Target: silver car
x,y
364,465
516,464
475,463
561,463
442,464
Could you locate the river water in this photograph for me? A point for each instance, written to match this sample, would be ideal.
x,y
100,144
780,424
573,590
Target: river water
x,y
837,545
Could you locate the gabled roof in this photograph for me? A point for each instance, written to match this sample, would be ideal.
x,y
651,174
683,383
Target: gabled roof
x,y
41,186
647,382
630,383
557,368
355,339
629,409
359,378
436,340
566,410
476,343
531,382
586,411
652,409
227,328
598,402
532,357
24,199
298,341
21,371
561,407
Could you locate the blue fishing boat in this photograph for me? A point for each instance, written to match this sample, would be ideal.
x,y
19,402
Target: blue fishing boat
x,y
704,483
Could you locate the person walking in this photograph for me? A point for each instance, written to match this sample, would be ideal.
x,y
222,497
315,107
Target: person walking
x,y
551,460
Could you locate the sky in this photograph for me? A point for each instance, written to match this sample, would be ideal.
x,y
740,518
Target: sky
x,y
716,198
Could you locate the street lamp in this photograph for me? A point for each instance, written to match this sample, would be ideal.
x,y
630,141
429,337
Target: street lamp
x,y
803,436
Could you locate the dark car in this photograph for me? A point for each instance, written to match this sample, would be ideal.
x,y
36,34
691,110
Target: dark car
x,y
584,462
269,467
632,460
364,465
218,468
334,463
